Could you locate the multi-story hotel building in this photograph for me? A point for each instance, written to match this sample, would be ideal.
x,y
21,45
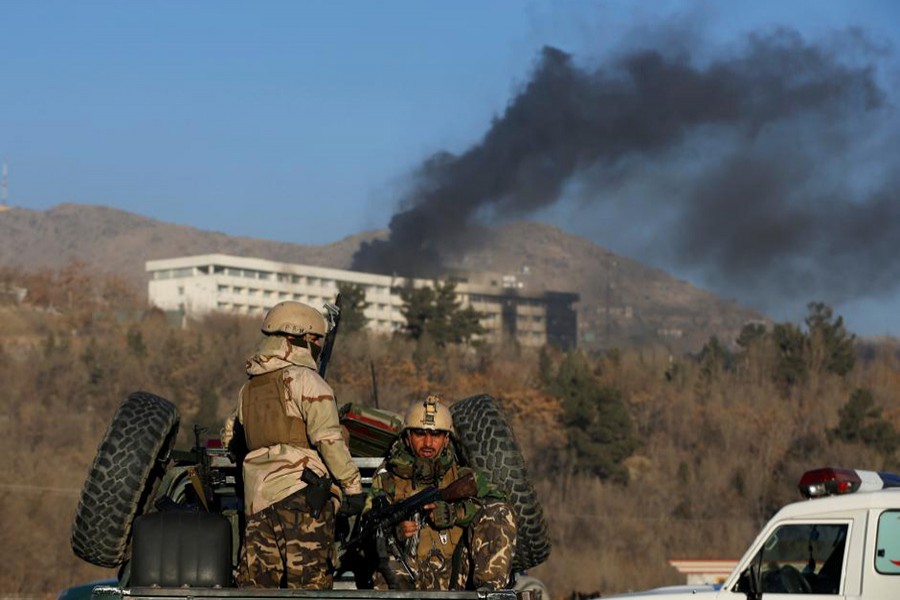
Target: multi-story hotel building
x,y
197,285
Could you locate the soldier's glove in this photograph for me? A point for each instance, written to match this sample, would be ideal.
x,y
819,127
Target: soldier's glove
x,y
443,516
352,504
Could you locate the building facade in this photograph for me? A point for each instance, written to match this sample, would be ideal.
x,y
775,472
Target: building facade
x,y
198,285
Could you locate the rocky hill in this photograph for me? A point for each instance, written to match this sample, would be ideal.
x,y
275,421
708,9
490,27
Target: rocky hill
x,y
121,242
623,302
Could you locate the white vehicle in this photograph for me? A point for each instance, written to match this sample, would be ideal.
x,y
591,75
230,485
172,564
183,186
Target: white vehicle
x,y
842,542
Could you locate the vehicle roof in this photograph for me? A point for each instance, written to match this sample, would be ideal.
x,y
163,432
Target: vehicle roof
x,y
884,499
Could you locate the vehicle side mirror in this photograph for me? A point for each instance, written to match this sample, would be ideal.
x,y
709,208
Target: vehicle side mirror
x,y
748,583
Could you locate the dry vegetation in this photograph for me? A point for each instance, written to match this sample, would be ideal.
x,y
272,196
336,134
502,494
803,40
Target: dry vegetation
x,y
719,448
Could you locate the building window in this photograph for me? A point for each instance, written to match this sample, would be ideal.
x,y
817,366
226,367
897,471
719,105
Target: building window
x,y
174,273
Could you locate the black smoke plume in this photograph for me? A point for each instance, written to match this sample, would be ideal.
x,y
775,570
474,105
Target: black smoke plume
x,y
771,170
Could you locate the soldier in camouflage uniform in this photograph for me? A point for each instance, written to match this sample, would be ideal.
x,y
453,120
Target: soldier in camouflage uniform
x,y
466,544
290,423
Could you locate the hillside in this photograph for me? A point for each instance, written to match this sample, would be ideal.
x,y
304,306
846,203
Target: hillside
x,y
120,242
622,301
708,451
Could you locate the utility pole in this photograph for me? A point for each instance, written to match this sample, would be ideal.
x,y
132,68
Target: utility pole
x,y
611,276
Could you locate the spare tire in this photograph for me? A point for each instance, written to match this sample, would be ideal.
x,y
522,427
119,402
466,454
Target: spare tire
x,y
487,443
128,465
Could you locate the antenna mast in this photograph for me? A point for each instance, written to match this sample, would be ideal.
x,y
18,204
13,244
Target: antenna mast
x,y
4,187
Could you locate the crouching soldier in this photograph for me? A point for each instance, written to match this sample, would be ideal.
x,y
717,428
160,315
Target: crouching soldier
x,y
467,544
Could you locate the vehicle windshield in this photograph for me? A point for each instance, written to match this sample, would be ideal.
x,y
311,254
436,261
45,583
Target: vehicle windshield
x,y
803,559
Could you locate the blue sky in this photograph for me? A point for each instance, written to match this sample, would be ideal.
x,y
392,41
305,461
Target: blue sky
x,y
301,121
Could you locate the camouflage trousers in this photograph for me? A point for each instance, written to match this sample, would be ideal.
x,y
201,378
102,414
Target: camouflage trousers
x,y
484,561
284,546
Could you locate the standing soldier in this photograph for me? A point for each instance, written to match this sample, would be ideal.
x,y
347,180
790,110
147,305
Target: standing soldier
x,y
290,423
459,545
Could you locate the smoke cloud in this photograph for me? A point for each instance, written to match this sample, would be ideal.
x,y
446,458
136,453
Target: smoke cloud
x,y
768,172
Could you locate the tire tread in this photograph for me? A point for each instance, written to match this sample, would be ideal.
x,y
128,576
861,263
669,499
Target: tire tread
x,y
141,431
488,444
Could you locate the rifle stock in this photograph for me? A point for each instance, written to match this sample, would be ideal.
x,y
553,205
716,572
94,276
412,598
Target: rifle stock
x,y
461,489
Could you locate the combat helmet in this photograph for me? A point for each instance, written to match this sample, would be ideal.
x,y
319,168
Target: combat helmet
x,y
431,414
294,318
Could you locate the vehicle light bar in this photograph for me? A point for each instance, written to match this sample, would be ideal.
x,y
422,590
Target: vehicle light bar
x,y
832,482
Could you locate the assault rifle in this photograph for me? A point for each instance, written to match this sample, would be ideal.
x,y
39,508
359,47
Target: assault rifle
x,y
374,533
333,316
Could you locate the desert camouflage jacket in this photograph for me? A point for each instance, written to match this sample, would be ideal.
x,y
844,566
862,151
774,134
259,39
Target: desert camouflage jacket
x,y
272,473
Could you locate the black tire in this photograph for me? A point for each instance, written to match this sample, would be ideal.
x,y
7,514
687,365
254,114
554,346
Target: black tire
x,y
127,467
487,444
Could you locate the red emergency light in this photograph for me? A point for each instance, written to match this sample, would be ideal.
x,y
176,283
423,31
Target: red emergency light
x,y
833,482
